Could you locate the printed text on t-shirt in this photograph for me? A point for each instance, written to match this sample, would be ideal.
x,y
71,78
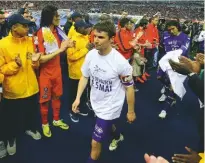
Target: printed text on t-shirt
x,y
100,84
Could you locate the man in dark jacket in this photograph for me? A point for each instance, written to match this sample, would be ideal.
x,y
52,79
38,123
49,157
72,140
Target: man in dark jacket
x,y
196,83
27,15
68,24
4,30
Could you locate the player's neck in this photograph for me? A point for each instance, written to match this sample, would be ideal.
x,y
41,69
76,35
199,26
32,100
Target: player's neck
x,y
106,51
52,27
178,33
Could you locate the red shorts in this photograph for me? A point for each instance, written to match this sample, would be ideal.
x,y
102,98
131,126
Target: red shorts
x,y
49,87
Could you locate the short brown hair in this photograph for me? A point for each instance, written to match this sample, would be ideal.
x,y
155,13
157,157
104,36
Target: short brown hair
x,y
106,26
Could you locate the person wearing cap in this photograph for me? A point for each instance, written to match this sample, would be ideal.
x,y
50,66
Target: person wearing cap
x,y
3,33
20,86
51,41
75,58
75,17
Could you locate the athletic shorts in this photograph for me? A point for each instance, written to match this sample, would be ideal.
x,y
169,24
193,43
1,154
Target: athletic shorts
x,y
103,129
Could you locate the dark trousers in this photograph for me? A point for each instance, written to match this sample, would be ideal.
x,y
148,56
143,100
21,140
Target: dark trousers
x,y
149,55
88,89
18,115
63,62
72,92
201,131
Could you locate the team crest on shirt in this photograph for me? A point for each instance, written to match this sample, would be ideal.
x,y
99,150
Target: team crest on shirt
x,y
98,70
45,96
45,89
187,45
98,129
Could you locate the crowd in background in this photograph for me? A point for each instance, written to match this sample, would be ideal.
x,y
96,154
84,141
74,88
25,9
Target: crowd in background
x,y
183,10
138,42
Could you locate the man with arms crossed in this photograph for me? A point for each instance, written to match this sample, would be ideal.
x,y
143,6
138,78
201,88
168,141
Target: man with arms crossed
x,y
110,78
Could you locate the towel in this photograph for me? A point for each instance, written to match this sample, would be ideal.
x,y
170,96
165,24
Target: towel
x,y
176,79
50,42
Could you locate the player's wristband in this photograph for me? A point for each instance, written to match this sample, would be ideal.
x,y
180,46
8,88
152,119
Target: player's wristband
x,y
127,80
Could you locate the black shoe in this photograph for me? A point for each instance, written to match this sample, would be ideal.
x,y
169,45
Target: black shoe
x,y
74,118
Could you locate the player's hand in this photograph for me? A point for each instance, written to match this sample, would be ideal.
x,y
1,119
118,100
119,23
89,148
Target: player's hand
x,y
75,105
25,5
18,60
200,58
144,59
131,116
148,45
153,159
35,57
67,44
193,65
192,157
180,68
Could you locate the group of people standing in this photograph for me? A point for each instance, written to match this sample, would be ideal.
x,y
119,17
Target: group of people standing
x,y
108,60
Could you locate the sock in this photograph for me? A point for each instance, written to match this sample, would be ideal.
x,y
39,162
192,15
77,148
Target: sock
x,y
116,133
166,92
56,109
172,94
90,160
44,113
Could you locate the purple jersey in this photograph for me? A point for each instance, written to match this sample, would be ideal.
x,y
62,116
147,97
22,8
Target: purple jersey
x,y
171,42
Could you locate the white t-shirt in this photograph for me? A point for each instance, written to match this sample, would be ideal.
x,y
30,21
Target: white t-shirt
x,y
107,92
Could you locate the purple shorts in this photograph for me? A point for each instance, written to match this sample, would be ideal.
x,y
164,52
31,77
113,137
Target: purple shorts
x,y
103,129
